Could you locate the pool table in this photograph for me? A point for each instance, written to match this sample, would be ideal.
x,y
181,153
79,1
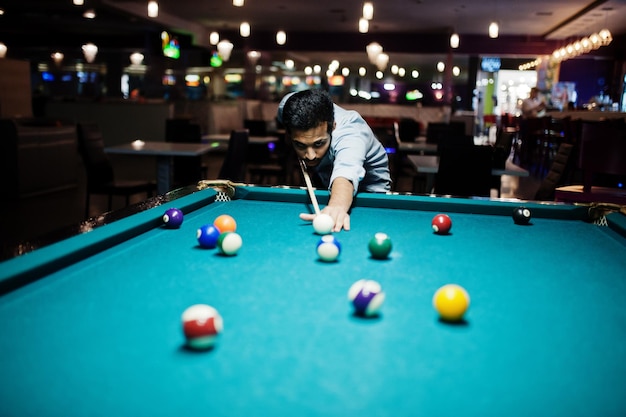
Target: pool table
x,y
91,325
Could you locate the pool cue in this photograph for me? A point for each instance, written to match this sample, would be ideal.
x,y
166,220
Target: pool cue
x,y
309,187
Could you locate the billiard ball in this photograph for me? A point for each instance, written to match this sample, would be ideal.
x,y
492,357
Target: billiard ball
x,y
202,324
380,246
451,302
367,297
225,223
441,224
229,243
521,215
173,218
328,248
323,224
207,236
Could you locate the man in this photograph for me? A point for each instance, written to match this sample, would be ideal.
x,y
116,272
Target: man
x,y
338,147
533,106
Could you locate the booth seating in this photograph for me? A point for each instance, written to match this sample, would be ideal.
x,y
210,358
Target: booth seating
x,y
37,157
41,178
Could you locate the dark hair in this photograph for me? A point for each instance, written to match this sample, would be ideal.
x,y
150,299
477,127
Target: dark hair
x,y
308,109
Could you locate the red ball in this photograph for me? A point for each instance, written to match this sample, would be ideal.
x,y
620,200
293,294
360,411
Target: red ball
x,y
202,324
442,224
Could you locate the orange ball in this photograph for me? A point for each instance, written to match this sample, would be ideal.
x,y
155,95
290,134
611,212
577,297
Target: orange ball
x,y
451,302
225,223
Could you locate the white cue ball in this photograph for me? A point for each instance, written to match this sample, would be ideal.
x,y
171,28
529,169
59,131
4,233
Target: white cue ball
x,y
323,224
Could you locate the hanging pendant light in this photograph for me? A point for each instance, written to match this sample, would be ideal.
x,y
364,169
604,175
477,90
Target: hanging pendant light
x,y
281,37
454,40
153,9
493,30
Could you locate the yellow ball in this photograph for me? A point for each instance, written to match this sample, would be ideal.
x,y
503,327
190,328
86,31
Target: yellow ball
x,y
451,302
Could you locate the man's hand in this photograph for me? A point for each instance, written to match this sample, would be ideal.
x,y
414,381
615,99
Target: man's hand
x,y
340,217
338,206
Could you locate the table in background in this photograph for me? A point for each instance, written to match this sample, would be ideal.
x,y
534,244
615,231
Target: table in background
x,y
253,140
98,332
165,153
429,165
419,147
422,147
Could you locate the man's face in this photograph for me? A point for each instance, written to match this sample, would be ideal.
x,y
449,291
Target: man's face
x,y
311,145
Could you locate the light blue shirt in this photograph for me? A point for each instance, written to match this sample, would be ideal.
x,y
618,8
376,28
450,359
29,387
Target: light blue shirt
x,y
355,154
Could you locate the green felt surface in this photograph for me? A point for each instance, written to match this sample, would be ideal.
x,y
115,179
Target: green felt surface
x,y
545,333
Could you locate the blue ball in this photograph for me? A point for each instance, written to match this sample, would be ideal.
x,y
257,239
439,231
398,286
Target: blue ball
x,y
173,218
207,236
328,248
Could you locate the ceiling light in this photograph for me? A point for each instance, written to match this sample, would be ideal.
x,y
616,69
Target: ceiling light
x,y
456,71
281,37
373,50
238,3
605,37
493,30
89,14
381,61
253,56
441,66
214,38
224,48
57,57
79,2
90,51
368,10
584,45
136,58
364,25
362,71
153,8
454,40
244,29
3,50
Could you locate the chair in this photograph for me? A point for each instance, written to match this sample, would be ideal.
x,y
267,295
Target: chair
x,y
400,166
99,170
255,127
502,147
438,131
263,160
454,139
602,160
279,164
464,171
408,129
234,165
559,170
187,170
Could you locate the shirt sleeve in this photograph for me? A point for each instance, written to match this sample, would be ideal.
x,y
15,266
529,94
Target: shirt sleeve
x,y
350,142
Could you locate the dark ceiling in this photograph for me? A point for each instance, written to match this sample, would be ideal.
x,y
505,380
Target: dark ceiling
x,y
527,28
